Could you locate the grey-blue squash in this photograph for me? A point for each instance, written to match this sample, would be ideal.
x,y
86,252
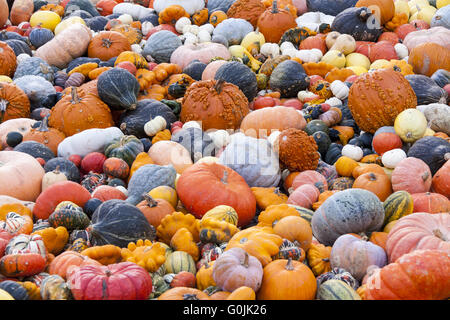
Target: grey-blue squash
x,y
35,66
441,18
148,177
348,211
161,45
37,88
233,29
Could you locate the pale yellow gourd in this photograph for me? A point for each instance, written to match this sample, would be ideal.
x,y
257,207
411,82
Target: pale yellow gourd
x,y
357,59
334,57
254,39
345,43
410,125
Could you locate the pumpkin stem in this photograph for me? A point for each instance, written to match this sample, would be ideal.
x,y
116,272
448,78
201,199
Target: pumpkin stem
x,y
438,233
425,176
150,201
106,42
289,265
108,273
44,124
245,263
3,104
74,94
372,176
190,296
447,156
219,85
275,6
56,171
326,259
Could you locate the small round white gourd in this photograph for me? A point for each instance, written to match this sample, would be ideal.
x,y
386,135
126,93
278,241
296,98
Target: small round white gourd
x,y
146,27
155,125
334,102
190,38
304,94
221,138
353,152
192,124
181,23
192,28
286,45
313,55
52,177
136,48
401,50
291,52
125,18
207,27
203,36
391,158
339,89
270,49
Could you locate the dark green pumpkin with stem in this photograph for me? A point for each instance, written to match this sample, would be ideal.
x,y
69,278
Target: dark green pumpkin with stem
x,y
126,148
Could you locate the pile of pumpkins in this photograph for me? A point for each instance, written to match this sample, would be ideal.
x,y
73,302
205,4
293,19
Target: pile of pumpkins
x,y
224,149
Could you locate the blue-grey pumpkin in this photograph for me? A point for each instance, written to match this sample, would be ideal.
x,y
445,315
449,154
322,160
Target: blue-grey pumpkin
x,y
348,211
233,29
441,77
147,178
35,149
161,45
289,77
118,88
35,66
40,36
65,166
441,18
360,23
432,150
97,24
219,5
86,5
427,91
37,88
19,46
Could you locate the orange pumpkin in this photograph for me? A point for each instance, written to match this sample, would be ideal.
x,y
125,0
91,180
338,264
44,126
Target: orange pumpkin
x,y
273,22
14,103
108,44
171,14
50,137
154,210
63,263
8,62
379,184
249,10
428,57
383,10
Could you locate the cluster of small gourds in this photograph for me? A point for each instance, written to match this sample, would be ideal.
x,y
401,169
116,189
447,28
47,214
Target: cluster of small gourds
x,y
216,150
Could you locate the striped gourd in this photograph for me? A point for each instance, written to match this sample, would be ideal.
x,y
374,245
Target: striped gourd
x,y
336,290
397,205
304,213
179,261
222,213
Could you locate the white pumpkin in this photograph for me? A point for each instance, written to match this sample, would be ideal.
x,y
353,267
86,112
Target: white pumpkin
x,y
192,124
87,141
207,27
146,27
273,136
334,102
136,11
291,52
345,43
52,177
204,36
253,159
221,138
286,45
270,49
125,18
191,28
339,89
353,152
304,94
312,20
312,55
401,50
137,48
410,125
181,23
189,38
123,190
191,6
391,158
154,126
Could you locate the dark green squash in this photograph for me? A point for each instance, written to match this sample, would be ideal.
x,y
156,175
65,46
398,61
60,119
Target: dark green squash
x,y
160,46
306,214
119,223
347,211
132,121
84,5
40,224
333,153
288,77
97,24
219,5
83,14
434,151
35,149
80,234
195,69
9,35
427,90
118,88
17,291
177,90
323,142
316,125
116,182
240,75
147,178
360,23
330,7
70,217
126,148
67,167
198,143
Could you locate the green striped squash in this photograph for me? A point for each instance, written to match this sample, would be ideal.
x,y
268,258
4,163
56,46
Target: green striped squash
x,y
336,290
304,213
180,261
397,205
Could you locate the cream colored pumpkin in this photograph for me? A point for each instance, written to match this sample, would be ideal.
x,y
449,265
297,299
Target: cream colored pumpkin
x,y
358,70
67,23
410,125
426,13
339,89
345,43
352,151
391,158
334,57
170,152
52,177
155,125
401,6
69,44
357,59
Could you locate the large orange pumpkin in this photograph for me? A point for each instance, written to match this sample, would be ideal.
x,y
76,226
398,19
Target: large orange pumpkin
x,y
4,12
426,58
430,202
379,184
108,44
227,186
79,110
273,22
441,180
292,279
7,60
217,104
376,98
14,103
384,10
